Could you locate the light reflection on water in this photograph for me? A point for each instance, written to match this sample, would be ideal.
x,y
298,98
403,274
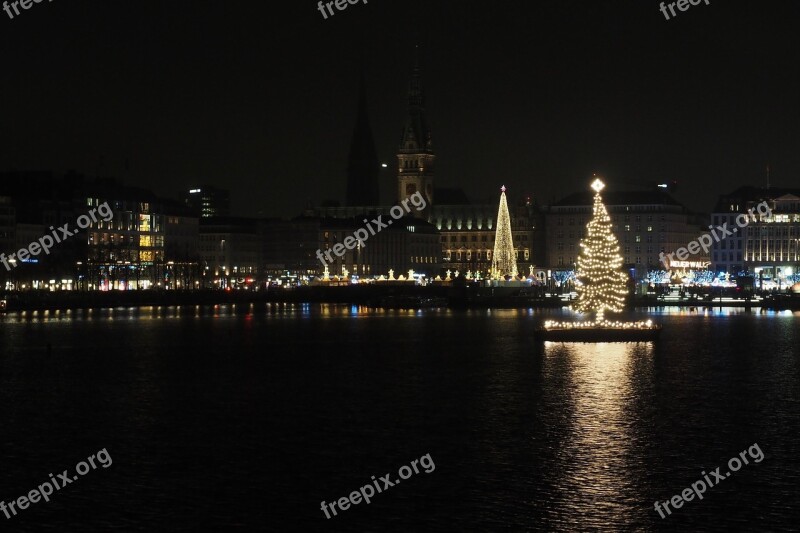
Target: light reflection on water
x,y
226,407
598,456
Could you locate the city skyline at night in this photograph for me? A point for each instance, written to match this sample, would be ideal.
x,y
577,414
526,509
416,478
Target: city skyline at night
x,y
533,266
606,88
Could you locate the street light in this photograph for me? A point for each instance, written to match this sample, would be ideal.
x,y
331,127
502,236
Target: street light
x,y
13,266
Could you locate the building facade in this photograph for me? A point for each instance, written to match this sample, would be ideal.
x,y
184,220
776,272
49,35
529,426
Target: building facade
x,y
181,247
209,201
768,246
408,244
230,252
290,246
8,221
646,223
7,239
468,234
126,252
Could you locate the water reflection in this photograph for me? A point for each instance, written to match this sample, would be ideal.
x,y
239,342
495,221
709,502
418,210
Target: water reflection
x,y
711,311
600,465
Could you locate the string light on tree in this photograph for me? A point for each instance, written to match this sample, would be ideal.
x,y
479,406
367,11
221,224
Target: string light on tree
x,y
504,257
602,285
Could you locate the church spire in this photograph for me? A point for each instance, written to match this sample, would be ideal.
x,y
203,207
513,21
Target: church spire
x,y
362,166
417,133
416,101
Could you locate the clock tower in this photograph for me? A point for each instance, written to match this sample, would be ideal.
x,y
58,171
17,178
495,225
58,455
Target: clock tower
x,y
415,156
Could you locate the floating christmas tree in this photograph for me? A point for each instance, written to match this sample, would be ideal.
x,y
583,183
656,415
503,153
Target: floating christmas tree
x,y
602,285
504,258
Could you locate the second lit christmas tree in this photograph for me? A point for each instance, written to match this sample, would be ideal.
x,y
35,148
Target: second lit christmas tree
x,y
504,258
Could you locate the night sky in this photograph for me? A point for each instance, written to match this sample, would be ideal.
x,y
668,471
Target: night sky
x,y
260,97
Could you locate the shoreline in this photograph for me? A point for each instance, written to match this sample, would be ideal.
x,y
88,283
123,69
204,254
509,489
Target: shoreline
x,y
382,297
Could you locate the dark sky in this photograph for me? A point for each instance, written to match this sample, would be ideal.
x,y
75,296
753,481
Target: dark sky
x,y
260,97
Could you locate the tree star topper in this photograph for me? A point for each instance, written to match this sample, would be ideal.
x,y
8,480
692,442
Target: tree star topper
x,y
598,185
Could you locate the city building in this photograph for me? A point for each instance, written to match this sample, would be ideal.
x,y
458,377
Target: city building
x,y
230,252
768,245
125,252
35,272
290,246
362,163
468,231
408,244
7,223
7,239
30,199
209,201
181,247
646,224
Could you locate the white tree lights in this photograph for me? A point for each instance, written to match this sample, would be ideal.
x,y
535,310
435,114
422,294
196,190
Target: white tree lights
x,y
504,258
601,282
601,285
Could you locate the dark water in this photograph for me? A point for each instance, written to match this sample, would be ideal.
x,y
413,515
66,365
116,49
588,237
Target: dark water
x,y
223,418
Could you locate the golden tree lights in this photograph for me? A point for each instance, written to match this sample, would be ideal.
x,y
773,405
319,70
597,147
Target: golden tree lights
x,y
504,258
602,285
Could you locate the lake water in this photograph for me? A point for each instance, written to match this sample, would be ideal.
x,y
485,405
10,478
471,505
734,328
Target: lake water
x,y
247,418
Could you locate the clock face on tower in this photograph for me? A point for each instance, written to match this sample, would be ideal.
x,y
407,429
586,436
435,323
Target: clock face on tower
x,y
411,188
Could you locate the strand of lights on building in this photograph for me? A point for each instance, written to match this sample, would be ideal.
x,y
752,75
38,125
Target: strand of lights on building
x,y
504,260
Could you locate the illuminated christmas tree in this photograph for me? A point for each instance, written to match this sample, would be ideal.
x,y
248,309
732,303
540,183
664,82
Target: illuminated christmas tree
x,y
602,285
504,258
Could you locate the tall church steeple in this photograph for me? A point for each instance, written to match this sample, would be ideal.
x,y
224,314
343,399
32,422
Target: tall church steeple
x,y
415,156
362,165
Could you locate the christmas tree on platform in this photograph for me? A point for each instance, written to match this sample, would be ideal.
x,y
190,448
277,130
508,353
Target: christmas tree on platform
x,y
602,285
504,258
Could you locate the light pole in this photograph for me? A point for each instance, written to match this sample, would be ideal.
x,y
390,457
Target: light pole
x,y
13,278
